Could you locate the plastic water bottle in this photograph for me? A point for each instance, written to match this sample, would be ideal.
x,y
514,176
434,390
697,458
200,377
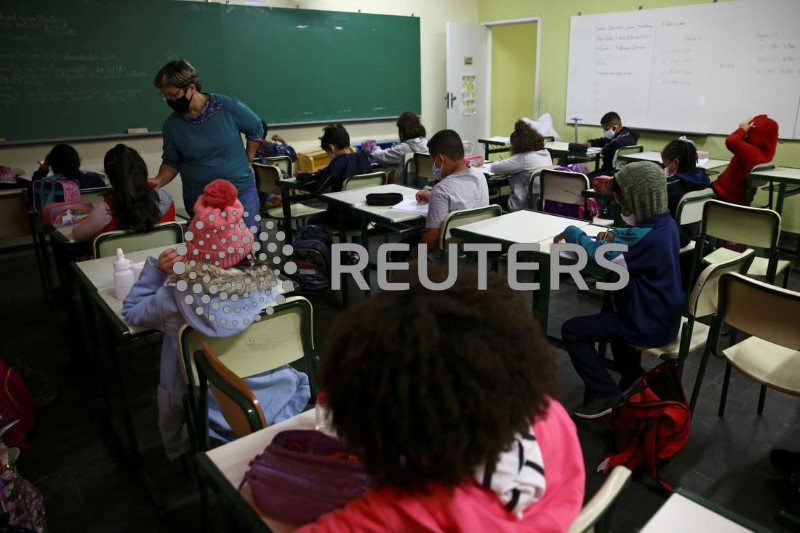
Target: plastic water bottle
x,y
321,413
123,275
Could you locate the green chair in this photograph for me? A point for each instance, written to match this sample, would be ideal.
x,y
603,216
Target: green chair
x,y
423,164
267,177
701,302
409,170
283,162
237,403
595,515
750,226
618,163
534,187
463,217
758,183
163,234
277,339
361,181
771,353
690,211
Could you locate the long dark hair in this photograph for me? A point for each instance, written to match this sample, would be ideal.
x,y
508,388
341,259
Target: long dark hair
x,y
135,203
63,159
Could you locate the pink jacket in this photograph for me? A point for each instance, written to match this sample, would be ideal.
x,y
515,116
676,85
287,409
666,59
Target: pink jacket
x,y
471,508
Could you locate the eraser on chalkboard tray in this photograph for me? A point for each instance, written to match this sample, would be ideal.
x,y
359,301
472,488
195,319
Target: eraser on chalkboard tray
x,y
137,130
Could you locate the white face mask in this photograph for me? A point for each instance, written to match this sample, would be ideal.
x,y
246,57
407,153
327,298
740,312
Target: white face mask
x,y
609,133
629,219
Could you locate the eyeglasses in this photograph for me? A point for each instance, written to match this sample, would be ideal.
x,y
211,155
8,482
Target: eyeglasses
x,y
172,97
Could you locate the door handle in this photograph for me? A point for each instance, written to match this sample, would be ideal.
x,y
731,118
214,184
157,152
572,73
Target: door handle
x,y
449,99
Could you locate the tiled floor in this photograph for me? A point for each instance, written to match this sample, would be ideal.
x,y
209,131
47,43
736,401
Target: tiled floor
x,y
76,461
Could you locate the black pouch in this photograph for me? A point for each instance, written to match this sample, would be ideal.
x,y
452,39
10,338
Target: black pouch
x,y
384,198
577,147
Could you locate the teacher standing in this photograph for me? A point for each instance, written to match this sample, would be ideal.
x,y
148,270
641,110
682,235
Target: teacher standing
x,y
202,138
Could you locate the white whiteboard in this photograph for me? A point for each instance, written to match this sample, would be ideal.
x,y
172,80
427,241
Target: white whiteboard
x,y
694,69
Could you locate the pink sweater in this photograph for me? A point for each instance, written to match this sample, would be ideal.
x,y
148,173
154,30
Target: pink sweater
x,y
471,508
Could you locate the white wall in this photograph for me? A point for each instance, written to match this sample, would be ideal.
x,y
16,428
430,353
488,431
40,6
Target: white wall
x,y
432,13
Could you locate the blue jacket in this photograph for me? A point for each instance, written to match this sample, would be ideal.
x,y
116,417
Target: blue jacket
x,y
652,302
153,303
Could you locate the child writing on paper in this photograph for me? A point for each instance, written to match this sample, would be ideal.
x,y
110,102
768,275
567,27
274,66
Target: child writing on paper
x,y
647,312
680,167
215,284
412,140
132,204
615,136
448,402
753,143
527,155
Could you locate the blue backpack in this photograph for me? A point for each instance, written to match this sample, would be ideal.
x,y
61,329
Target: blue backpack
x,y
312,255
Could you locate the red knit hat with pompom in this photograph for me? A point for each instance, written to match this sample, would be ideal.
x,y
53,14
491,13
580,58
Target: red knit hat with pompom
x,y
217,234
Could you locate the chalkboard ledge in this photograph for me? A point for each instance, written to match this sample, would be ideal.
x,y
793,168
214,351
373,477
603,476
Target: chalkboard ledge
x,y
33,142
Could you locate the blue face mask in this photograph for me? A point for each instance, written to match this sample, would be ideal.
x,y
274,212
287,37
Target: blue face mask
x,y
437,171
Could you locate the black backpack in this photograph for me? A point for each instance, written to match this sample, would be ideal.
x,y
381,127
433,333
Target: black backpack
x,y
312,255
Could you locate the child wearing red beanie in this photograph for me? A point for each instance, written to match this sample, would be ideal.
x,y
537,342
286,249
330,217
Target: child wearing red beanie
x,y
215,284
753,143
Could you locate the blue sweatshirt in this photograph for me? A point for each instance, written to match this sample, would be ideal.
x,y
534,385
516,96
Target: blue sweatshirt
x,y
652,302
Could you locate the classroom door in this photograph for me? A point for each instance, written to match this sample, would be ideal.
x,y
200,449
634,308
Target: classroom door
x,y
467,88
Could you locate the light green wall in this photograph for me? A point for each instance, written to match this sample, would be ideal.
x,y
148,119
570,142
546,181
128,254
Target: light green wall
x,y
553,59
513,75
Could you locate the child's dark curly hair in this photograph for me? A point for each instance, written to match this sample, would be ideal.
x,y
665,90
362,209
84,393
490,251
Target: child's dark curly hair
x,y
525,138
427,386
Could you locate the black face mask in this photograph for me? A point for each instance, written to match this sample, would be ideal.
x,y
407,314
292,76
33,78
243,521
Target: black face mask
x,y
180,105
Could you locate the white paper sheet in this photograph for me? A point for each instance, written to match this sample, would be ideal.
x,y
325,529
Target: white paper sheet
x,y
411,205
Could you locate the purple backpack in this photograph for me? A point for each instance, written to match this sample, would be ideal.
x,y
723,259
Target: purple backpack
x,y
304,474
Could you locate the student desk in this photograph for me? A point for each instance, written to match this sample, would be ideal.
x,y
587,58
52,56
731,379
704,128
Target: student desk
x,y
495,145
287,186
526,227
223,469
561,151
684,511
354,202
784,177
655,157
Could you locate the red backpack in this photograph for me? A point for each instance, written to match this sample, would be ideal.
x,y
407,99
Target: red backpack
x,y
652,424
16,403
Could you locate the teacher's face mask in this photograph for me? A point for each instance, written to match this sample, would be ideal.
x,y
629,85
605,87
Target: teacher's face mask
x,y
180,105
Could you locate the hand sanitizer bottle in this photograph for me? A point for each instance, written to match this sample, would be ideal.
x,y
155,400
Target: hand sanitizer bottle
x,y
123,275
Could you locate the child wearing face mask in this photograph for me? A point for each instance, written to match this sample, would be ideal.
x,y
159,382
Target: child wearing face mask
x,y
615,135
344,164
647,312
680,167
753,143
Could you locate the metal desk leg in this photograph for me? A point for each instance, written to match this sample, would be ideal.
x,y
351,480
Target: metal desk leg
x,y
541,297
365,244
781,196
287,213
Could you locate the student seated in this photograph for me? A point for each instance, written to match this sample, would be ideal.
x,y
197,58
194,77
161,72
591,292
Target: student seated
x,y
344,164
277,147
132,204
412,140
459,186
448,402
647,312
680,167
157,301
753,143
63,160
615,135
527,154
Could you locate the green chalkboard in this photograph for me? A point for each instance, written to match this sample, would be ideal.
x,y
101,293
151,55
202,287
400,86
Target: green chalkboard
x,y
84,68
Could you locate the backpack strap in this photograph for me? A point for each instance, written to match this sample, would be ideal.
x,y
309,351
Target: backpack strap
x,y
650,456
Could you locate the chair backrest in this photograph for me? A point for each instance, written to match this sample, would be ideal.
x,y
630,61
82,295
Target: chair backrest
x,y
423,164
561,186
534,186
755,182
283,162
625,150
750,226
409,170
277,339
690,206
163,234
237,403
359,181
463,217
598,507
267,177
703,299
760,309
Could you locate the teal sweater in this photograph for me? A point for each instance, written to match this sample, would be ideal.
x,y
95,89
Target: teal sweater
x,y
209,146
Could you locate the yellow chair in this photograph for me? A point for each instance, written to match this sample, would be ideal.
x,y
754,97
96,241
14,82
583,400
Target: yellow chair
x,y
618,163
594,517
267,177
277,339
237,403
163,234
701,302
751,226
771,355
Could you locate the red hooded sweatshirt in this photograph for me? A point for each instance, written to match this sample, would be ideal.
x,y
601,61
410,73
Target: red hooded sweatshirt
x,y
750,148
